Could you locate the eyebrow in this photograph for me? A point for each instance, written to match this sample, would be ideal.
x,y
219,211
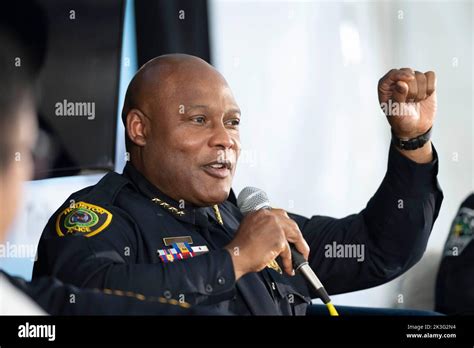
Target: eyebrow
x,y
199,106
234,111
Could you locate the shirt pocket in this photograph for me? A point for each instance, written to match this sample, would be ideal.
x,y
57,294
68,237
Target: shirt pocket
x,y
290,293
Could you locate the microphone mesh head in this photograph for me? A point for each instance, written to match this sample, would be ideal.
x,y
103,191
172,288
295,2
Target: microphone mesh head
x,y
251,199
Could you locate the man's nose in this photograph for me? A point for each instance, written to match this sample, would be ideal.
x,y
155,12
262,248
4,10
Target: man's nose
x,y
221,137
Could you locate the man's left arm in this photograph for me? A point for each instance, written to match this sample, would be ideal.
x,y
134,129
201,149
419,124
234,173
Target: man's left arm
x,y
390,235
386,238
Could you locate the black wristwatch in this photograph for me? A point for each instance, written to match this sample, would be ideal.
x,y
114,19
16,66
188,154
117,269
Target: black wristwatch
x,y
411,144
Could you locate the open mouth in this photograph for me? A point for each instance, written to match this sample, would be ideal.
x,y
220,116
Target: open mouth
x,y
218,169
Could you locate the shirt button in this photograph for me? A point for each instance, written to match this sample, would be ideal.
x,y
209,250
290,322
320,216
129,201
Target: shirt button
x,y
167,294
221,280
208,288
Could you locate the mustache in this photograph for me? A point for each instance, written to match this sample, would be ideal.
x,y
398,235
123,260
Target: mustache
x,y
228,159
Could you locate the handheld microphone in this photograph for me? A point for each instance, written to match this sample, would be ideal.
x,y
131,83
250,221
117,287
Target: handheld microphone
x,y
251,199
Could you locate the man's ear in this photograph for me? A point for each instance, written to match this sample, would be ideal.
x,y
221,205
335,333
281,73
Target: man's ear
x,y
136,127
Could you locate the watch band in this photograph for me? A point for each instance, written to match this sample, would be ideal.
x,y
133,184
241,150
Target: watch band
x,y
411,144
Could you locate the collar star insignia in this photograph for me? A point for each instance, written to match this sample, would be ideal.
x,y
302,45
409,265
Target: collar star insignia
x,y
168,207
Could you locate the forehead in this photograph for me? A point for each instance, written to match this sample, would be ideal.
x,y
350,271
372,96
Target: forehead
x,y
196,86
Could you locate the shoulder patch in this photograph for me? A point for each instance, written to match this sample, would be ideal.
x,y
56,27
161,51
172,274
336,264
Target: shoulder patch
x,y
462,232
82,217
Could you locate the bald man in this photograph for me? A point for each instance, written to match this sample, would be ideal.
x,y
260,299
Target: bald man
x,y
166,227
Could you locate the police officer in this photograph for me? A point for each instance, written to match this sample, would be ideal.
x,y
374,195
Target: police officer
x,y
165,227
455,282
22,34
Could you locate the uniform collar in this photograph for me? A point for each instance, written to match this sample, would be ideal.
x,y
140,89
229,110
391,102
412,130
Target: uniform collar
x,y
182,211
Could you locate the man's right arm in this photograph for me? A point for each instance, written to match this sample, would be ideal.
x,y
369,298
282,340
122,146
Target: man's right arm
x,y
57,298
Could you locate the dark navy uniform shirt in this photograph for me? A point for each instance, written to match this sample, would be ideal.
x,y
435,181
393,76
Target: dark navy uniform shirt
x,y
123,233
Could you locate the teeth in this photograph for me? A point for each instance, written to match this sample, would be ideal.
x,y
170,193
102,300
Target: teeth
x,y
217,166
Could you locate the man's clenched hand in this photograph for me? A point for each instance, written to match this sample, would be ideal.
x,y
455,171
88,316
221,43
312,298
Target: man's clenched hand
x,y
408,99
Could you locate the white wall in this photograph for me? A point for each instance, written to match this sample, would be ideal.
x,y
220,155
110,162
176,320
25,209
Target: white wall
x,y
305,75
